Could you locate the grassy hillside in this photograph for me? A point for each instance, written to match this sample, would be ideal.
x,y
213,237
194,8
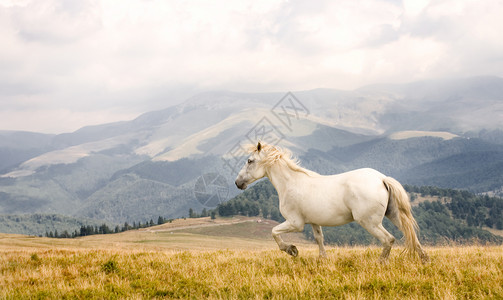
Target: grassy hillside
x,y
164,264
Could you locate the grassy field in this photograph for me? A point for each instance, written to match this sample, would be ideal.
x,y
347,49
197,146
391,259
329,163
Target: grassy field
x,y
181,264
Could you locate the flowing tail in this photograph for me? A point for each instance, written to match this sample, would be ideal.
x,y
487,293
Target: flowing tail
x,y
408,224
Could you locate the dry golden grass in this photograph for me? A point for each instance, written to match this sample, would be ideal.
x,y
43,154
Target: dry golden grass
x,y
464,272
139,265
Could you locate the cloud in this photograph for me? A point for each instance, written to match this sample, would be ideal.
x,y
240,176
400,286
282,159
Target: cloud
x,y
468,33
56,21
102,56
50,120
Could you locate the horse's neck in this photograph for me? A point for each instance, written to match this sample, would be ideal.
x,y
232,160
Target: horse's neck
x,y
282,178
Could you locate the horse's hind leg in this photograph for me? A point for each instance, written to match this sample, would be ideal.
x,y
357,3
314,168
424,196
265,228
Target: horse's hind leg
x,y
318,236
386,239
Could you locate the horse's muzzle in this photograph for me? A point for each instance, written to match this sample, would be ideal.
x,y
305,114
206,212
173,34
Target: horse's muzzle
x,y
241,185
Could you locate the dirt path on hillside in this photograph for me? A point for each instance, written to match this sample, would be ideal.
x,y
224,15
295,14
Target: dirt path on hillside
x,y
180,224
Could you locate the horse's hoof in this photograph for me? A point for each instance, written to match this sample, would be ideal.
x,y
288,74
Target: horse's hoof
x,y
383,261
425,259
292,250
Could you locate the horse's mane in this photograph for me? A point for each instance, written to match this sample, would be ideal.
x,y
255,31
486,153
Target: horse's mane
x,y
275,154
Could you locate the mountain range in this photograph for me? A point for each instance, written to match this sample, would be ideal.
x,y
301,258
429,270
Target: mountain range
x,y
447,133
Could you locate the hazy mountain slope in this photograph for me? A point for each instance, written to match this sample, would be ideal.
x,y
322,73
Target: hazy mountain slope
x,y
34,195
130,197
173,173
456,105
151,189
325,138
457,163
480,171
19,146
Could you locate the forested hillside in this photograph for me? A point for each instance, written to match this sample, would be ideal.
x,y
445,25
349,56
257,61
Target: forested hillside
x,y
477,211
261,199
41,224
457,216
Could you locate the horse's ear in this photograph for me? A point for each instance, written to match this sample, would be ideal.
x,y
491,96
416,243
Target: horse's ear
x,y
259,146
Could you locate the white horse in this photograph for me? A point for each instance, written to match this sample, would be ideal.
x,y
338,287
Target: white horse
x,y
306,197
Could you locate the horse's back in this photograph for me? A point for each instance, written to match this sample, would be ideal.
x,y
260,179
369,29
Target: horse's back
x,y
363,173
363,179
338,199
364,176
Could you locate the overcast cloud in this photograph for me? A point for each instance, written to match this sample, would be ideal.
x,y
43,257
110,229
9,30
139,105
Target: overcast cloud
x,y
66,63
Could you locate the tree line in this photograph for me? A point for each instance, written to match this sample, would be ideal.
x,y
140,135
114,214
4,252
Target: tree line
x,y
86,230
474,210
259,200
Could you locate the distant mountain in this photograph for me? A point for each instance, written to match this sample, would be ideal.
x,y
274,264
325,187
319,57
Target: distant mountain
x,y
463,163
433,132
455,105
19,146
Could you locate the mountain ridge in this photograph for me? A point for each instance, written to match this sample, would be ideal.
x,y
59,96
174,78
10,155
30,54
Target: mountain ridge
x,y
86,172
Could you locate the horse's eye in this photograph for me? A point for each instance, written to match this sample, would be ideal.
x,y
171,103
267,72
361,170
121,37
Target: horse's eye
x,y
250,161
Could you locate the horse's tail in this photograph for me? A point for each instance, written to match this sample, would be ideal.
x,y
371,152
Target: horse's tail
x,y
408,224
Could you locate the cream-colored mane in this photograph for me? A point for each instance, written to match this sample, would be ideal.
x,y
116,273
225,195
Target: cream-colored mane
x,y
275,154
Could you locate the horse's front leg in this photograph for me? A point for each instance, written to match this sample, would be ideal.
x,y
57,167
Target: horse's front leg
x,y
286,227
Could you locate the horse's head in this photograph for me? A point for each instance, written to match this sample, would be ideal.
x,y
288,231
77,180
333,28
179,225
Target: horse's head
x,y
252,170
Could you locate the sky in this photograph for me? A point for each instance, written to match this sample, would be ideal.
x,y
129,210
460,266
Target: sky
x,y
65,64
